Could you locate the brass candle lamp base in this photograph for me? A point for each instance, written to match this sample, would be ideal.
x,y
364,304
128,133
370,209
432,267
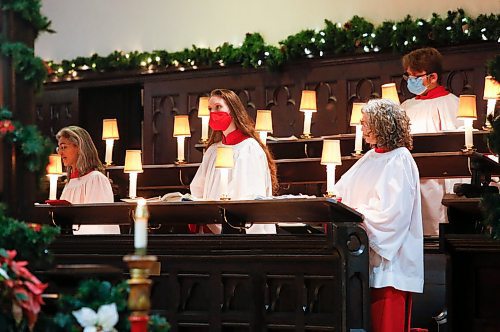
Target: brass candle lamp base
x,y
306,136
140,288
329,195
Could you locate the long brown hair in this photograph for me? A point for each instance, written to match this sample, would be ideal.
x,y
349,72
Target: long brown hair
x,y
246,125
389,123
88,159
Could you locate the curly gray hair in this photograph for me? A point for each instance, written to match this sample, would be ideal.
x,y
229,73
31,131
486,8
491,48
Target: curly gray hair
x,y
389,124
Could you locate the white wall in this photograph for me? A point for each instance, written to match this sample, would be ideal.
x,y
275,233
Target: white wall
x,y
88,26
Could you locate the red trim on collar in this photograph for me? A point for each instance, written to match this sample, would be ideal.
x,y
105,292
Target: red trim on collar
x,y
234,137
381,150
437,92
74,174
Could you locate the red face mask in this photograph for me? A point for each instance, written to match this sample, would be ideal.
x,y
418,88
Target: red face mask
x,y
219,120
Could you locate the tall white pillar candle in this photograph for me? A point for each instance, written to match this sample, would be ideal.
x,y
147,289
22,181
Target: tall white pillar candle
x,y
132,190
109,151
468,133
330,178
263,136
358,143
307,122
180,148
204,128
53,186
224,182
141,227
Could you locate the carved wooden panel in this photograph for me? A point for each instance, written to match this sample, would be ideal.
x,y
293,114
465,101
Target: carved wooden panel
x,y
56,109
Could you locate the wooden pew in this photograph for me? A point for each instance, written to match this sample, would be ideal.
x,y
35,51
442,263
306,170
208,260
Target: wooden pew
x,y
315,282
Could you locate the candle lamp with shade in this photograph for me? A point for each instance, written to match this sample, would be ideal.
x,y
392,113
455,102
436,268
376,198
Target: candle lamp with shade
x,y
181,131
390,92
308,106
54,171
110,135
491,94
330,157
356,116
133,166
264,124
204,114
224,162
467,113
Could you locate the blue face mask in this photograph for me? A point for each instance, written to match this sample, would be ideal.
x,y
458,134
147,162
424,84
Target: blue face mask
x,y
416,85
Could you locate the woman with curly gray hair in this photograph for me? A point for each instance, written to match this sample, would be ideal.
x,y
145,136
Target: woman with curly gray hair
x,y
86,181
384,186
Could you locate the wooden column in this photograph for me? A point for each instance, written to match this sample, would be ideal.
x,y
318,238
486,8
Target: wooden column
x,y
17,186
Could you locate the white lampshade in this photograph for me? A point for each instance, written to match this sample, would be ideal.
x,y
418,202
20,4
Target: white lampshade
x,y
203,107
181,126
389,92
224,157
467,107
264,121
55,165
110,129
133,162
356,113
491,88
308,101
331,152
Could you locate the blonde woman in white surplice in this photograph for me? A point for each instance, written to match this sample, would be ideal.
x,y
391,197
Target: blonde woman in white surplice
x,y
86,184
254,172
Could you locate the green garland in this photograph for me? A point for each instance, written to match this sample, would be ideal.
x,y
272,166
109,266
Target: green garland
x,y
34,148
26,64
354,37
31,241
29,10
93,294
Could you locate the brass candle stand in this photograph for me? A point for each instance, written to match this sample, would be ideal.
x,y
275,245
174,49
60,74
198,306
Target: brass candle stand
x,y
140,289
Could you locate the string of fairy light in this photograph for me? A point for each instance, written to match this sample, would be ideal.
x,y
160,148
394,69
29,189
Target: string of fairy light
x,y
357,36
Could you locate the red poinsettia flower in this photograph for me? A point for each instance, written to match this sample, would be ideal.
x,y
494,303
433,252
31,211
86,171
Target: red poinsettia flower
x,y
6,126
21,287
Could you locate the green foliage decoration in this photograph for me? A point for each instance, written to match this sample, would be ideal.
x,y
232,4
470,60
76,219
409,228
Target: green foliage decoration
x,y
30,67
31,241
356,36
93,294
29,10
33,147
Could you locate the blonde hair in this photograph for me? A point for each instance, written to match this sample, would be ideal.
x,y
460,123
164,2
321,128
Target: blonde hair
x,y
389,124
88,159
246,125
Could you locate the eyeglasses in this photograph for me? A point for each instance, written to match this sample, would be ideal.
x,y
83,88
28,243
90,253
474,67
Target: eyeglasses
x,y
62,148
407,76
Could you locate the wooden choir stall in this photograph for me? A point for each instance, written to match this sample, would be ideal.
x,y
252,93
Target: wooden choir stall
x,y
313,274
316,281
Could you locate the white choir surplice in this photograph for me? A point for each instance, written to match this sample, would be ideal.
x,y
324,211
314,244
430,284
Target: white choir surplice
x,y
433,116
250,177
384,187
93,187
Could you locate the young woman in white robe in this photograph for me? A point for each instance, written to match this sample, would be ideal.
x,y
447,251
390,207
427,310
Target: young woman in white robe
x,y
384,186
86,182
432,110
254,171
